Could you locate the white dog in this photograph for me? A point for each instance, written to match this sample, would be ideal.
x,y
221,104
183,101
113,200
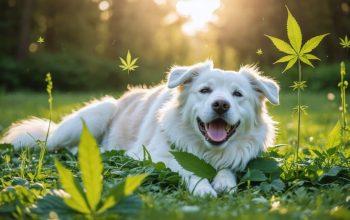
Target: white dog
x,y
217,115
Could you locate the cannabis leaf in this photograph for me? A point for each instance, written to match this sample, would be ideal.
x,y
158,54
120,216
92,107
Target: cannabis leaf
x,y
77,200
302,108
128,63
123,189
298,85
88,200
345,42
294,49
259,52
296,52
90,163
40,40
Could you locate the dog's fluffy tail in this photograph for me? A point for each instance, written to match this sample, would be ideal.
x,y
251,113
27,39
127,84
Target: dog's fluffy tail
x,y
97,116
26,133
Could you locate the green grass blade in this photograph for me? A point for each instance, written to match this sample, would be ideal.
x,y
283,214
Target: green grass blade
x,y
281,45
312,43
294,32
195,165
71,186
90,163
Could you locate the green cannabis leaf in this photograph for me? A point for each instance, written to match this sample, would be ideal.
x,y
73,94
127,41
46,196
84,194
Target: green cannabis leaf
x,y
296,52
90,163
128,63
294,49
123,189
299,85
88,200
259,52
77,200
345,42
195,165
302,108
40,40
132,182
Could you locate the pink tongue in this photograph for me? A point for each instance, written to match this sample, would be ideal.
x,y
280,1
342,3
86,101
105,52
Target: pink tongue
x,y
216,131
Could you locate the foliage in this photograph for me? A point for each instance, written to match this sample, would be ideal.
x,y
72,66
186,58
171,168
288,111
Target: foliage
x,y
72,71
294,49
322,185
43,144
273,186
296,52
128,64
195,165
40,40
343,85
103,36
88,200
345,42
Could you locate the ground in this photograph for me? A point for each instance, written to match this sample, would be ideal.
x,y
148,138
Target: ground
x,y
304,196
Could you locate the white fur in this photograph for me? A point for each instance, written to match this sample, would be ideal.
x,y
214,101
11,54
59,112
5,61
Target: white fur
x,y
161,116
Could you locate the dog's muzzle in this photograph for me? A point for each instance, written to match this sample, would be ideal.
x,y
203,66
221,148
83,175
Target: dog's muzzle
x,y
217,131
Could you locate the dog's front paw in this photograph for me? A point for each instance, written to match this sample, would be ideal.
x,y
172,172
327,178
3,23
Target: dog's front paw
x,y
203,190
200,187
224,181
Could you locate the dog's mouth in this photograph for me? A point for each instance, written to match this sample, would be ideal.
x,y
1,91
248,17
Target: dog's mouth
x,y
217,131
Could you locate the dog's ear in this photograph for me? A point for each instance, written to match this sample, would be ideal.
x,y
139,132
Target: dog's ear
x,y
179,75
263,85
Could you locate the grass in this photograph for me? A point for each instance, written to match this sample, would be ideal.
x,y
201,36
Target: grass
x,y
163,195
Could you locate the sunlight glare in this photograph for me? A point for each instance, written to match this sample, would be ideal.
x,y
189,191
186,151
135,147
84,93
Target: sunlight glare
x,y
104,5
200,13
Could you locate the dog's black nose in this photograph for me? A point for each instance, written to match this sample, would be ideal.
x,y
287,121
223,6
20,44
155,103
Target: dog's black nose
x,y
220,106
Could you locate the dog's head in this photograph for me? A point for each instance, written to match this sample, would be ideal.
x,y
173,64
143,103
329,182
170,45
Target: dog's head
x,y
221,105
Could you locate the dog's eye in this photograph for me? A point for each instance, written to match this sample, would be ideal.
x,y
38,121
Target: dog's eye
x,y
237,93
205,90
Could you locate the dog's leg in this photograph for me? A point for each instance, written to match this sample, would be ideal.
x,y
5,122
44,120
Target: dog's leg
x,y
224,181
196,185
97,117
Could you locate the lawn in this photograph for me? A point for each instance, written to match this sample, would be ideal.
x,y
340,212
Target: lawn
x,y
313,193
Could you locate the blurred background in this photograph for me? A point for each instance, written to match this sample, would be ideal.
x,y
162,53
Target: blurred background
x,y
83,39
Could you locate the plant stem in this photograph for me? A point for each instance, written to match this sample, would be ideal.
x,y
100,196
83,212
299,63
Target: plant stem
x,y
299,119
343,87
43,146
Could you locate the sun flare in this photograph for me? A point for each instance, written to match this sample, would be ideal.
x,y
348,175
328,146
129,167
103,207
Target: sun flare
x,y
199,12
